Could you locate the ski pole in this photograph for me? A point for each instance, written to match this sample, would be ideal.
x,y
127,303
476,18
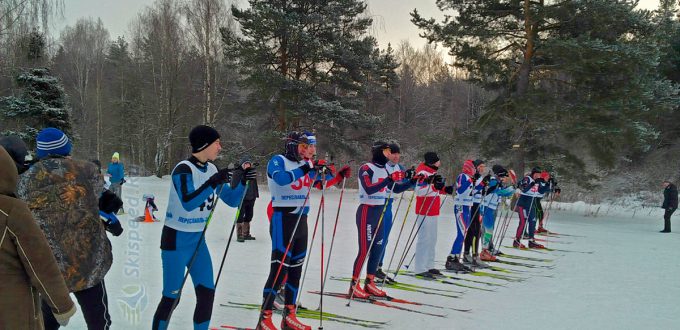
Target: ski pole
x,y
418,230
231,234
500,230
370,247
323,221
311,245
396,244
402,257
193,257
290,243
335,228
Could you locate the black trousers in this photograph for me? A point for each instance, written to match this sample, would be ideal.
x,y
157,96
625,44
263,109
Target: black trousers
x,y
246,214
94,304
474,231
667,219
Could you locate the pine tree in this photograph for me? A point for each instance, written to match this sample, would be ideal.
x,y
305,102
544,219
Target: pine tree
x,y
312,60
568,73
41,104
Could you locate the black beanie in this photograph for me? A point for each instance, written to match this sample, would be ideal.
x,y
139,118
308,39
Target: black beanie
x,y
535,170
394,148
377,152
431,157
201,137
478,162
500,171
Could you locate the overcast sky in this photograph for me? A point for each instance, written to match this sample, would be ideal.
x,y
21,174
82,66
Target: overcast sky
x,y
391,17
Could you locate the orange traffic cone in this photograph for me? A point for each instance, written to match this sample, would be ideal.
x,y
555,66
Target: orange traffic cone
x,y
147,215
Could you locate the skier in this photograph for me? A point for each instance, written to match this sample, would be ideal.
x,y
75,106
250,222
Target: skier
x,y
532,187
553,191
670,203
462,204
150,205
246,214
196,184
63,195
290,176
374,182
28,267
428,206
499,186
473,236
116,174
391,167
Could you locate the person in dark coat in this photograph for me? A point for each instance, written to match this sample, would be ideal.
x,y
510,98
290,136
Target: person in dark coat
x,y
670,203
246,213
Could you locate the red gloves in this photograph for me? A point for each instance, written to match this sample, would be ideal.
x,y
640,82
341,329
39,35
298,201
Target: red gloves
x,y
397,176
345,172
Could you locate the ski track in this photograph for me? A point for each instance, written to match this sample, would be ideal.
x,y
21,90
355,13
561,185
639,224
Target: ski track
x,y
629,282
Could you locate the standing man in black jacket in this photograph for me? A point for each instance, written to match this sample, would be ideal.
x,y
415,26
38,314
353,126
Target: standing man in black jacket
x,y
670,204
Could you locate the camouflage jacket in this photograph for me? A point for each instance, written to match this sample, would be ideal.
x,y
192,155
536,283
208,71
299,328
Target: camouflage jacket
x,y
63,196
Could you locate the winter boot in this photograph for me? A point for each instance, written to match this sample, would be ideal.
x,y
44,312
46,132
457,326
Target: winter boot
x,y
516,243
477,262
290,320
359,293
266,321
534,245
452,263
371,288
246,232
239,233
487,256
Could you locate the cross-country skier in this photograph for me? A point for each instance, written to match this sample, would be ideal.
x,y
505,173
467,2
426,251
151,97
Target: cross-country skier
x,y
428,207
290,177
462,204
196,183
499,186
473,236
374,182
670,203
532,187
391,167
553,192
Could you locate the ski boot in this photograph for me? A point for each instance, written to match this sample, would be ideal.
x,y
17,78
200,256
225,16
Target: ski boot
x,y
540,229
487,256
246,232
355,291
372,289
426,275
452,263
516,243
477,262
435,272
266,321
467,258
290,320
534,245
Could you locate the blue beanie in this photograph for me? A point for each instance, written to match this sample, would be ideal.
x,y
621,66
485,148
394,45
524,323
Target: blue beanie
x,y
52,141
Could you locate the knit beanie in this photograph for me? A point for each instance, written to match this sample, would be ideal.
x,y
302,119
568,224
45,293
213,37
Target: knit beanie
x,y
431,157
394,148
499,170
116,156
201,137
52,141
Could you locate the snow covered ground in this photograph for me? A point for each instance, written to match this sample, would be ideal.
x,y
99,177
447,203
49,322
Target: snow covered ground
x,y
630,281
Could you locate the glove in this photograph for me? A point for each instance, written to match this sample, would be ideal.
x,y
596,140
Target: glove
x,y
410,173
222,176
249,174
111,223
320,163
434,178
448,190
345,172
539,180
397,176
63,318
558,191
306,167
439,185
475,177
486,179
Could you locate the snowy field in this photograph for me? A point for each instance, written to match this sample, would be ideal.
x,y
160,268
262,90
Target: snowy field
x,y
629,281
